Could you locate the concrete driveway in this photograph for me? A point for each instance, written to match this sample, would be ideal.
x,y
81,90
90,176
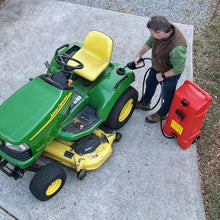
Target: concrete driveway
x,y
148,177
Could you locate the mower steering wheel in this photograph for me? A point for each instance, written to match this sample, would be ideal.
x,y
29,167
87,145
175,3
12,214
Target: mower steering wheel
x,y
62,59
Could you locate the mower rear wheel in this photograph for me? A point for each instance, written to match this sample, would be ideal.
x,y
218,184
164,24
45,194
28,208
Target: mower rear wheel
x,y
48,181
123,109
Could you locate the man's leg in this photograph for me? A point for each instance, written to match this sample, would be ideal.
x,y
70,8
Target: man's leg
x,y
151,85
168,90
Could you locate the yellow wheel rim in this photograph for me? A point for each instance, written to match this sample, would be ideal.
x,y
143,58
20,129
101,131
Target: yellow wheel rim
x,y
54,186
126,110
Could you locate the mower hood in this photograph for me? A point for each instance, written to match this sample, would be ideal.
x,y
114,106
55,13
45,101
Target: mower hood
x,y
29,106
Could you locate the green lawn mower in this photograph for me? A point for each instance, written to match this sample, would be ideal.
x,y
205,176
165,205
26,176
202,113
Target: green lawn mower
x,y
70,114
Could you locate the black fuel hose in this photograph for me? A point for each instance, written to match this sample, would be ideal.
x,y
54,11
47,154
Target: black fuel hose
x,y
143,87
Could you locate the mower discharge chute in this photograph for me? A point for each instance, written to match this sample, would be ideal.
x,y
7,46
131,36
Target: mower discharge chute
x,y
70,114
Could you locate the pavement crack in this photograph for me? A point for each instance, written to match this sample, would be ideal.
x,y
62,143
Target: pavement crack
x,y
8,213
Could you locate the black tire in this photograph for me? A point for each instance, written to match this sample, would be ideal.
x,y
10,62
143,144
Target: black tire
x,y
118,137
81,174
114,120
196,140
48,181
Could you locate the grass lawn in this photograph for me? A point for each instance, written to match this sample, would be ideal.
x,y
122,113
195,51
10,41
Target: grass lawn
x,y
207,76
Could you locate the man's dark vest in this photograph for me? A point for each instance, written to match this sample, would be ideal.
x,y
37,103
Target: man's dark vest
x,y
162,48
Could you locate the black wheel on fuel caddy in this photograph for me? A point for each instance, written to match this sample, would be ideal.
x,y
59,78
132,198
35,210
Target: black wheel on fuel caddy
x,y
123,109
196,140
48,181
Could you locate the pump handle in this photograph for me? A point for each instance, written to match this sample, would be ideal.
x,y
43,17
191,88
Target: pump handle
x,y
178,112
132,65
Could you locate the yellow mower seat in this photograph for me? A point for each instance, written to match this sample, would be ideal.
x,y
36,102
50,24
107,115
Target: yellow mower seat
x,y
95,55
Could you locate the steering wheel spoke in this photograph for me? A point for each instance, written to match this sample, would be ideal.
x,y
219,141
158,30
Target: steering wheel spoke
x,y
62,59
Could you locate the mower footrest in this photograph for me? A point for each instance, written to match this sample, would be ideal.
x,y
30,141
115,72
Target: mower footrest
x,y
83,121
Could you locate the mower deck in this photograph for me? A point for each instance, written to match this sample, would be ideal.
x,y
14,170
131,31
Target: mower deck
x,y
88,153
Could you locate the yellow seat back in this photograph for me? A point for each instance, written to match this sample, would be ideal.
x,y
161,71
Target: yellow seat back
x,y
95,55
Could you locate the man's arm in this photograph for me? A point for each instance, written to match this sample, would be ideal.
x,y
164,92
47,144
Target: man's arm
x,y
143,50
167,74
147,46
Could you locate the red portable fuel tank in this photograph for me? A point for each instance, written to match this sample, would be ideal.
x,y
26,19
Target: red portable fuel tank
x,y
187,113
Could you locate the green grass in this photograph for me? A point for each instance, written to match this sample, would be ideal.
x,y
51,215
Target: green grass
x,y
207,76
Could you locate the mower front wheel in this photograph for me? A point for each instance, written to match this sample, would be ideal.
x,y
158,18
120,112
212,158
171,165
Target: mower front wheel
x,y
48,181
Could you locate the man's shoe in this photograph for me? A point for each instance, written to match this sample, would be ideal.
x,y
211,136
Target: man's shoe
x,y
154,118
141,106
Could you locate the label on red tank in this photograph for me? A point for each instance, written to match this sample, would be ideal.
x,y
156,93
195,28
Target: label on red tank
x,y
176,126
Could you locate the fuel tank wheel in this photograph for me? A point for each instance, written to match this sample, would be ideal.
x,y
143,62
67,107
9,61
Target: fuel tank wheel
x,y
48,181
123,109
81,174
196,140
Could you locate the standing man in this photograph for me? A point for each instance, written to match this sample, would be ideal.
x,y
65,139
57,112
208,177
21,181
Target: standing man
x,y
168,62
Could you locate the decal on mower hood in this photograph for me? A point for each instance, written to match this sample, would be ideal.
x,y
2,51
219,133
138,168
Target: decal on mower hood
x,y
54,114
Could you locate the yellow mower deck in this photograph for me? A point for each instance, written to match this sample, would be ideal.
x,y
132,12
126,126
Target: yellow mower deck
x,y
63,152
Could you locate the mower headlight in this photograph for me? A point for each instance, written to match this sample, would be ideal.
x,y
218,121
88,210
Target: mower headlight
x,y
18,148
19,152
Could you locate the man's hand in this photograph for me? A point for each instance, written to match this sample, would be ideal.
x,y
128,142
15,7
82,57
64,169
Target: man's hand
x,y
159,77
143,50
137,60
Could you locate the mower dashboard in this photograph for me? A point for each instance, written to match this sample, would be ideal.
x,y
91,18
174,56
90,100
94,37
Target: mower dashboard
x,y
58,80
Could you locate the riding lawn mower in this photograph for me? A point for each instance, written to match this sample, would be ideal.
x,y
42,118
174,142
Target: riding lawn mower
x,y
70,114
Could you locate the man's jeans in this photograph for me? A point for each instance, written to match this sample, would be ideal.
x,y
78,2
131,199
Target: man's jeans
x,y
168,90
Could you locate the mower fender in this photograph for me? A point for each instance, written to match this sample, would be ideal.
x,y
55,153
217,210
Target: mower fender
x,y
107,91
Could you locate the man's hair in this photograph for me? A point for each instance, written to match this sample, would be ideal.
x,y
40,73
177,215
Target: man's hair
x,y
158,24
